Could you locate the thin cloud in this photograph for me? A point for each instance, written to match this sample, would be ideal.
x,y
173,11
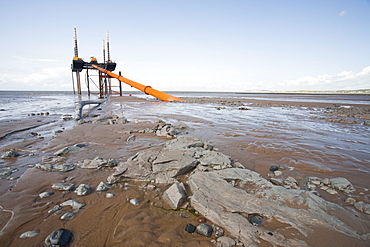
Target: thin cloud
x,y
345,80
342,13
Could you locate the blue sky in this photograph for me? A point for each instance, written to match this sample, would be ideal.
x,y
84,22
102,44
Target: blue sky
x,y
203,45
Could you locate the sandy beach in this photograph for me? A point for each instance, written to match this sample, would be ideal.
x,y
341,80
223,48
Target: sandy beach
x,y
305,139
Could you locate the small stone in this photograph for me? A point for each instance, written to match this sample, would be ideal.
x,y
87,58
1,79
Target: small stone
x,y
204,230
350,200
134,201
218,231
226,241
277,181
278,173
45,194
256,219
190,228
9,154
151,187
60,237
326,181
109,195
103,187
65,167
362,207
201,220
341,184
175,195
74,204
332,191
29,234
67,216
274,168
83,190
45,167
63,186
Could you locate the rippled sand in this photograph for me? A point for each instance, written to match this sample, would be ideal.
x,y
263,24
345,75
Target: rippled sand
x,y
257,133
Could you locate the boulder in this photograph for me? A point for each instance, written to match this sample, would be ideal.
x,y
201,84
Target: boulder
x,y
175,195
231,207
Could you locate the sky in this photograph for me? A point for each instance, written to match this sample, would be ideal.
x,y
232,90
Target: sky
x,y
192,45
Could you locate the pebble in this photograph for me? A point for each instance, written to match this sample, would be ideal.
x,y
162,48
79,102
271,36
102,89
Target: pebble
x,y
45,194
362,207
350,200
65,167
103,187
83,190
60,237
46,167
74,204
218,231
274,168
134,201
278,173
201,220
29,234
190,228
63,186
109,195
204,230
225,241
332,191
256,220
67,216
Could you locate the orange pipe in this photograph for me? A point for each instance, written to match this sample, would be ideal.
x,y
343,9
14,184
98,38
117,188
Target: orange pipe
x,y
146,89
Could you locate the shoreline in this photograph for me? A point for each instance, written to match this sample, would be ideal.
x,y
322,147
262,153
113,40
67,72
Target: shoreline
x,y
119,141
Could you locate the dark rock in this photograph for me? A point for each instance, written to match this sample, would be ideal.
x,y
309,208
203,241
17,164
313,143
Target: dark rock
x,y
204,230
190,228
274,168
256,219
60,238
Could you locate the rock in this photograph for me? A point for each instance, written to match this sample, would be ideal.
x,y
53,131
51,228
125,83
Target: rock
x,y
341,184
362,207
65,167
274,168
131,138
331,191
83,190
45,194
175,195
29,234
63,186
187,142
278,173
9,155
70,149
67,216
103,187
218,231
217,200
204,230
134,201
97,163
256,219
59,238
290,183
350,200
74,204
45,167
190,228
225,241
326,181
277,181
109,195
201,220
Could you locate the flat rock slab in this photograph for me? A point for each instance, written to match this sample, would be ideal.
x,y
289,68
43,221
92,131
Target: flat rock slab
x,y
230,206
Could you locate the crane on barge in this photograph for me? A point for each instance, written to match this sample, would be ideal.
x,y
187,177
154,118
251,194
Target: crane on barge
x,y
105,74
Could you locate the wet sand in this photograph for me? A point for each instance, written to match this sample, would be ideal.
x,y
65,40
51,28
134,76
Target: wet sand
x,y
116,222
